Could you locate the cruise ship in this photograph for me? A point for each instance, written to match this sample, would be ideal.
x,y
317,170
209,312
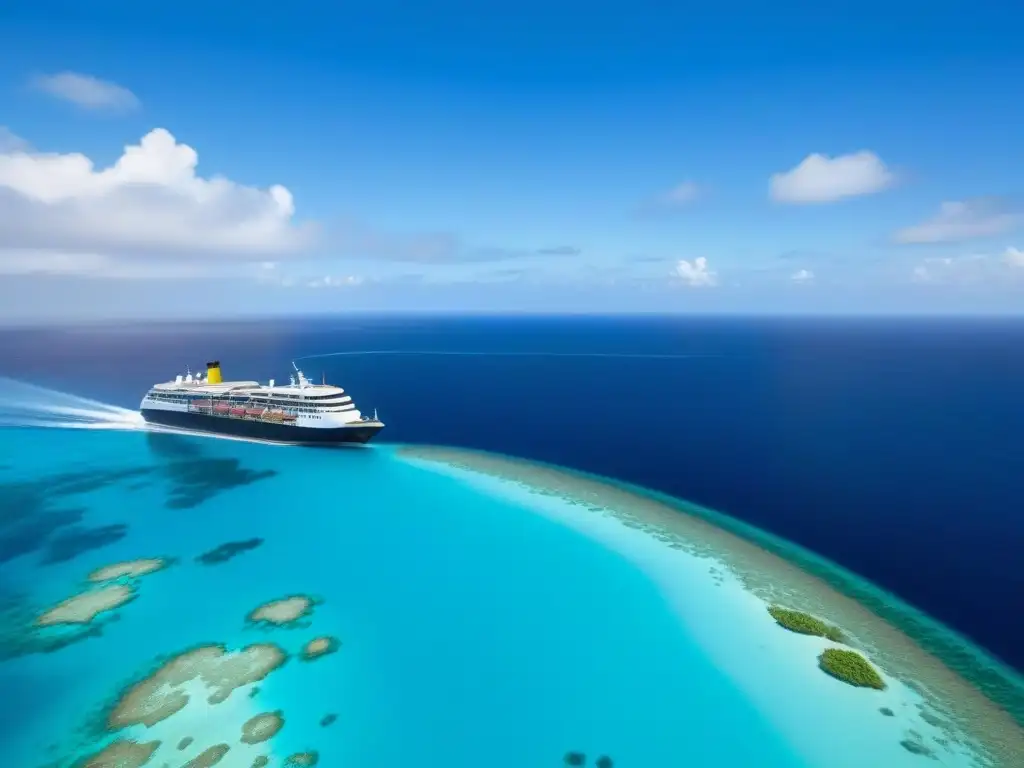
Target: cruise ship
x,y
299,412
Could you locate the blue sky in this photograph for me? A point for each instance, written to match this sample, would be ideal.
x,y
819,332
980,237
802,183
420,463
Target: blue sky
x,y
557,156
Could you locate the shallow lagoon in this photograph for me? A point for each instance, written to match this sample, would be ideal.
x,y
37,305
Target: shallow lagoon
x,y
487,611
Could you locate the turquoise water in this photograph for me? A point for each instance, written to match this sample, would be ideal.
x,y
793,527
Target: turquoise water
x,y
478,625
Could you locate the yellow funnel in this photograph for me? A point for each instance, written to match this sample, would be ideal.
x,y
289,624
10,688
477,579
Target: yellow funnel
x,y
213,373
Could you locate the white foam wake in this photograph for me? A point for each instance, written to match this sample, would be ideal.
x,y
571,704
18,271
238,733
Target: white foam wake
x,y
29,405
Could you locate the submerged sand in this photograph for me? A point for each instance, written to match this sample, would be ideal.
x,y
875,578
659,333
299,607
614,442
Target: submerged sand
x,y
283,612
166,691
132,569
86,606
765,567
123,753
319,646
262,727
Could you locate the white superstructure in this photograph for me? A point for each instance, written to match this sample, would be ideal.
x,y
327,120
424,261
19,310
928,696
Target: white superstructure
x,y
299,403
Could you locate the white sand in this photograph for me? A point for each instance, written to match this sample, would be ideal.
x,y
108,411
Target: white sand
x,y
827,720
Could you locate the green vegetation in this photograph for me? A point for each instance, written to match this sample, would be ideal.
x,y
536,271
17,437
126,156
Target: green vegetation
x,y
805,624
850,667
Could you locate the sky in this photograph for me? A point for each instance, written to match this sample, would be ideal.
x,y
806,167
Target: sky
x,y
198,159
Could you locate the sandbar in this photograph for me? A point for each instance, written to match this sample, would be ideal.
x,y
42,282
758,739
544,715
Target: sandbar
x,y
208,757
984,698
123,753
163,693
320,646
283,612
86,606
261,727
132,569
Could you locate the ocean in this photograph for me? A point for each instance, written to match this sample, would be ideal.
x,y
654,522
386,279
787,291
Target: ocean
x,y
479,624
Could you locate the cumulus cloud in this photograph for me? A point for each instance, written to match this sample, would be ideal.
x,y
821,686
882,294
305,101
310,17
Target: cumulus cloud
x,y
822,179
802,276
959,221
86,91
696,273
149,204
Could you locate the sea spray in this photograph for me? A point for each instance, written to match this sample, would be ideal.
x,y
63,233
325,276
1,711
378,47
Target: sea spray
x,y
30,405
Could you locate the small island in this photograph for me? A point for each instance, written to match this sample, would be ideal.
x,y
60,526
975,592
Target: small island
x,y
320,646
851,668
261,727
805,624
285,612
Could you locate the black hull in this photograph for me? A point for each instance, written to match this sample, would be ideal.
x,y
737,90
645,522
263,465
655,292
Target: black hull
x,y
262,430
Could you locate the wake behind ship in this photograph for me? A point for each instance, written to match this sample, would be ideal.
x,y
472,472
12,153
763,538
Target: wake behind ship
x,y
299,412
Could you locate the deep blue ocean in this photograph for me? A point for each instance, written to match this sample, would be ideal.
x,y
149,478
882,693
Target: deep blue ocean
x,y
893,446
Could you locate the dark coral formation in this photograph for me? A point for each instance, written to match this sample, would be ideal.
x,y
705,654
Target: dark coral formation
x,y
917,748
35,511
328,719
604,762
574,758
185,742
886,711
196,482
76,540
302,759
228,550
19,636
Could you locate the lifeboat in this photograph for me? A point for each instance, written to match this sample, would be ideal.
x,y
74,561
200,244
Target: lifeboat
x,y
237,411
289,417
273,416
203,405
253,411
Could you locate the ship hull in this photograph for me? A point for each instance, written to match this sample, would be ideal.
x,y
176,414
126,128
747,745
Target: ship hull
x,y
262,430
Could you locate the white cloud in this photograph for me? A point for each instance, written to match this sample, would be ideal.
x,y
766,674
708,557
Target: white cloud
x,y
682,194
696,272
86,91
976,268
148,205
958,221
822,179
1014,257
331,281
802,276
